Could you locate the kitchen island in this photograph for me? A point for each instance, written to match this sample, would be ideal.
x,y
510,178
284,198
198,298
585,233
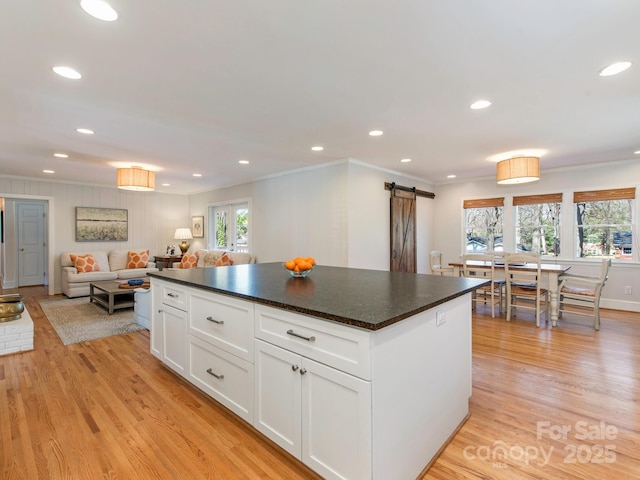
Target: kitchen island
x,y
358,373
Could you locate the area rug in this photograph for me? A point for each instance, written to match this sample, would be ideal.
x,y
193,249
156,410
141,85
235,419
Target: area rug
x,y
76,320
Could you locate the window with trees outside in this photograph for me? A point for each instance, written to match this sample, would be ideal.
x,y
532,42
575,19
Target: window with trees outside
x,y
229,227
537,224
483,225
604,220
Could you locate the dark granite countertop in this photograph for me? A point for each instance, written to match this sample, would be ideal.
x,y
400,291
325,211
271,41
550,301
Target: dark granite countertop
x,y
369,299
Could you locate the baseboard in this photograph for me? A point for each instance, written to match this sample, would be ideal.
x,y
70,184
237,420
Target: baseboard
x,y
615,304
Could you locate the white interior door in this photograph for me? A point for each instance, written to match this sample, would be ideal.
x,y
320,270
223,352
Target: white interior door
x,y
31,244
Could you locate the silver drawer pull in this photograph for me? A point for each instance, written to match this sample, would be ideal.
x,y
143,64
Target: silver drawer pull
x,y
210,372
172,295
219,322
308,339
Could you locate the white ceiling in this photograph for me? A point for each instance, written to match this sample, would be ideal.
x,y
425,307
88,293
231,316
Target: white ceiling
x,y
195,86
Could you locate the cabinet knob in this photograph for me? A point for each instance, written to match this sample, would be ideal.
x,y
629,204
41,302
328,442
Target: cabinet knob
x,y
159,311
303,371
294,367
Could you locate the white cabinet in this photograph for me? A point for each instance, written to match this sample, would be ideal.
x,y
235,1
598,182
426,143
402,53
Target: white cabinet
x,y
226,378
169,324
174,338
316,412
156,332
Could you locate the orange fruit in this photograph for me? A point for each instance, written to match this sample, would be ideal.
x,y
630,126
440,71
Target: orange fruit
x,y
304,265
296,269
289,264
311,260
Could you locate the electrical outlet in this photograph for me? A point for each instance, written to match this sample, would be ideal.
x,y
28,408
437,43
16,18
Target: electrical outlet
x,y
440,318
627,290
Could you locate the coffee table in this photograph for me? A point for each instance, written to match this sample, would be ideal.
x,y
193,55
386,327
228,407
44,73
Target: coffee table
x,y
108,294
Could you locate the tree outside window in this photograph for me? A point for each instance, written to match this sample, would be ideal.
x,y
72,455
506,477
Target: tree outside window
x,y
483,228
604,229
537,224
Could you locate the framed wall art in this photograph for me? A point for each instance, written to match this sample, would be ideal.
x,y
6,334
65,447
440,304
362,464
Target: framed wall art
x,y
102,224
197,226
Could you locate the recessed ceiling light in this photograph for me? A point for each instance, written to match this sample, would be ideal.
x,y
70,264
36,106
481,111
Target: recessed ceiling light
x,y
451,176
86,131
637,152
166,184
48,171
197,174
61,155
376,133
614,69
480,104
317,148
99,9
67,72
243,162
405,160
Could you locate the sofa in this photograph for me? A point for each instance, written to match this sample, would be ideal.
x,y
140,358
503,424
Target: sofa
x,y
110,265
212,258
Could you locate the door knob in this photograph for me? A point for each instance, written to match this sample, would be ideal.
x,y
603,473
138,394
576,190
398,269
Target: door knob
x,y
22,249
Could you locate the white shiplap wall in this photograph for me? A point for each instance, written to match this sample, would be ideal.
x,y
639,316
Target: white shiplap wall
x,y
153,218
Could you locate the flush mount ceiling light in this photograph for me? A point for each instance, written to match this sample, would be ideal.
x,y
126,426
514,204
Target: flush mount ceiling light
x,y
99,9
67,72
614,69
317,148
480,104
405,160
61,155
86,131
518,170
243,162
137,179
376,133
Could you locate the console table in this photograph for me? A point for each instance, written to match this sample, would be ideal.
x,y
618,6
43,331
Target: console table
x,y
166,260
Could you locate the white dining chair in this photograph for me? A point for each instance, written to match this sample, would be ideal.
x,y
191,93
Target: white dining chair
x,y
523,285
436,266
493,293
581,293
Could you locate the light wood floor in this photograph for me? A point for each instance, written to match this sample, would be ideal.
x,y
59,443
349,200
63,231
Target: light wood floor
x,y
108,409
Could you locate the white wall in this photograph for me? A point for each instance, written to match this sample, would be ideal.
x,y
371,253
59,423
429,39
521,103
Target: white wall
x,y
153,218
449,218
337,213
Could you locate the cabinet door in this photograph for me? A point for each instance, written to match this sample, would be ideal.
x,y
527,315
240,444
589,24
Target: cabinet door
x,y
336,422
277,396
174,339
156,320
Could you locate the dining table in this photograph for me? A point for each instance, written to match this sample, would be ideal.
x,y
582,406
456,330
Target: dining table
x,y
552,272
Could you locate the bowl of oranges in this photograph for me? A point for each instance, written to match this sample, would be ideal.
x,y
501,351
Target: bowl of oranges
x,y
300,266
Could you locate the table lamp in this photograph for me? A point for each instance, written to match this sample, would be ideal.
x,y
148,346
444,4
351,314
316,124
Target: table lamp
x,y
183,234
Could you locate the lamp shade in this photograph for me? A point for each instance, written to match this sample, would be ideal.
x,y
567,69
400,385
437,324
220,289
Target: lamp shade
x,y
183,234
135,178
518,170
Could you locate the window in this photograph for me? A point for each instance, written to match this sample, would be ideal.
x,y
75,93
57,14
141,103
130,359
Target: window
x,y
605,223
537,224
229,227
483,224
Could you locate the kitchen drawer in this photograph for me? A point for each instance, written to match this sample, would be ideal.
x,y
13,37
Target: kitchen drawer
x,y
336,345
223,321
226,378
174,295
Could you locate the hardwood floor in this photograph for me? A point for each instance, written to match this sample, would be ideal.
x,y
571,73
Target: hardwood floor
x,y
108,409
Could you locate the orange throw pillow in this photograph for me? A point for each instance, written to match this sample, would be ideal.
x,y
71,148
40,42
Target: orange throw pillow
x,y
189,260
224,261
84,263
138,259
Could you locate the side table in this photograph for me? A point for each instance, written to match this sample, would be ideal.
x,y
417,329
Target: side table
x,y
166,261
